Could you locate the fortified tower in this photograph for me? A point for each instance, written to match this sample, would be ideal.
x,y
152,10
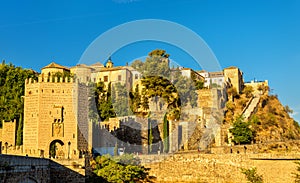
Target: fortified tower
x,y
234,76
55,115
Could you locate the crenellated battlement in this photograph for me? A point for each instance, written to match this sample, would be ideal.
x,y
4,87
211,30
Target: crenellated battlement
x,y
7,132
51,79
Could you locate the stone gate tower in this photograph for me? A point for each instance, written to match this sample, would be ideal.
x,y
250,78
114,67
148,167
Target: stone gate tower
x,y
55,115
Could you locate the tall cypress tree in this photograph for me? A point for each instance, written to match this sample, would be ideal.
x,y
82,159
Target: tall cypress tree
x,y
20,131
150,137
166,134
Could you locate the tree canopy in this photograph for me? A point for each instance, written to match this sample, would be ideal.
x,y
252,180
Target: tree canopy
x,y
125,168
120,100
156,64
12,88
160,81
104,101
241,132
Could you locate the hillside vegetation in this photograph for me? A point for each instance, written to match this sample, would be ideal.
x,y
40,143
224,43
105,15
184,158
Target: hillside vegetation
x,y
270,122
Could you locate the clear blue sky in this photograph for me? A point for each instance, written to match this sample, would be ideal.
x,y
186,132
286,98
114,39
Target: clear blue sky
x,y
260,37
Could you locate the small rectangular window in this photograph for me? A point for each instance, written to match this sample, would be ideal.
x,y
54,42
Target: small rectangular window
x,y
105,78
119,77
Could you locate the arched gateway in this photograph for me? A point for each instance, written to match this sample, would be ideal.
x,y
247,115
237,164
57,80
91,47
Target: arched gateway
x,y
55,115
56,149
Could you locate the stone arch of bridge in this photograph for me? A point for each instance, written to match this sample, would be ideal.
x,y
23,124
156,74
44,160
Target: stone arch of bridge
x,y
27,179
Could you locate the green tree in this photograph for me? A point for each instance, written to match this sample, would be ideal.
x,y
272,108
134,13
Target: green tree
x,y
137,64
252,175
241,132
104,101
199,85
150,137
155,65
19,140
156,86
166,134
186,89
120,100
159,53
12,88
135,99
124,168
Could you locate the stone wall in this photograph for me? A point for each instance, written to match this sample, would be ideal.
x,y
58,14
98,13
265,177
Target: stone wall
x,y
256,85
212,102
195,167
81,109
8,133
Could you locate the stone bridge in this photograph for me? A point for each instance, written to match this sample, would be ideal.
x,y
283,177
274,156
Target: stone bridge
x,y
22,169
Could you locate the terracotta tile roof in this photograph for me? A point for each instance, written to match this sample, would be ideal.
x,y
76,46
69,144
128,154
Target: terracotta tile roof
x,y
98,64
81,66
232,67
55,65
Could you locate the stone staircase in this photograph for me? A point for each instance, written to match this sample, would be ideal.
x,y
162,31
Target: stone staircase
x,y
251,107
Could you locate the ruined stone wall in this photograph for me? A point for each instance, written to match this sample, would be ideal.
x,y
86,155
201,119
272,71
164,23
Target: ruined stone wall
x,y
212,102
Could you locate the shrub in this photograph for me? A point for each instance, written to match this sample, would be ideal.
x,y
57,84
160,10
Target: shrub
x,y
252,175
124,168
248,90
297,175
230,106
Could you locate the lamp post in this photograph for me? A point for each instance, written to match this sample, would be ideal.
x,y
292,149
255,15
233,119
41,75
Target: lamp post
x,y
69,144
6,144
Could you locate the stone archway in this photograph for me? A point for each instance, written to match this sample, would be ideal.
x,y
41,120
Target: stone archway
x,y
56,149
